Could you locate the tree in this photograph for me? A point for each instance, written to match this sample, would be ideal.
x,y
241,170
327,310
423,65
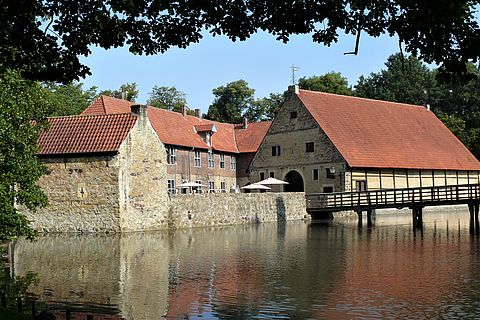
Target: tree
x,y
231,101
24,107
127,91
45,38
405,79
167,98
265,108
71,99
332,82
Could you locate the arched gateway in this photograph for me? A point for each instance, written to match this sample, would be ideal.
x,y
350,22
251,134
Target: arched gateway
x,y
295,182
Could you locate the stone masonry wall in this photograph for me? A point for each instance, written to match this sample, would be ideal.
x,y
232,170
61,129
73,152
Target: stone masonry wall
x,y
142,179
201,210
82,194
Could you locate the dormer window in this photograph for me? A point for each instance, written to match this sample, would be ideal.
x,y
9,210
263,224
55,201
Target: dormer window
x,y
206,131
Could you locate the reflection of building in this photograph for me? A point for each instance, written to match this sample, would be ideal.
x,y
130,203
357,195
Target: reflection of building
x,y
322,142
211,153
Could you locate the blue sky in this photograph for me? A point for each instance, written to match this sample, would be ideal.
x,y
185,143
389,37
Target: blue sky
x,y
262,61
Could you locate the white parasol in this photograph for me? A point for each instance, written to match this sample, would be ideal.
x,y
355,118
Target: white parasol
x,y
255,186
190,185
271,181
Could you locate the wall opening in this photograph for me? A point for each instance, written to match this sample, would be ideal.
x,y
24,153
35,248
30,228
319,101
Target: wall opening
x,y
295,182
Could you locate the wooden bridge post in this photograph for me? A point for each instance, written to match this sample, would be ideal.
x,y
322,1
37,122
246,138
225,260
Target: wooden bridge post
x,y
370,217
417,217
474,223
360,220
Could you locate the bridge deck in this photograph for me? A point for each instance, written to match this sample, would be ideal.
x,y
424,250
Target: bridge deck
x,y
393,198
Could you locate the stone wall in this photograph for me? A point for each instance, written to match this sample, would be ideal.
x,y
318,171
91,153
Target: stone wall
x,y
83,195
142,179
202,210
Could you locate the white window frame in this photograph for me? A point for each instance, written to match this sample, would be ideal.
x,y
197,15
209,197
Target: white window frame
x,y
171,186
171,155
198,159
211,186
222,161
211,159
276,151
233,162
223,186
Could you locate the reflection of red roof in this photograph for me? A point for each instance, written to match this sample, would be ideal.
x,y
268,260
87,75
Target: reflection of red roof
x,y
175,129
378,134
86,134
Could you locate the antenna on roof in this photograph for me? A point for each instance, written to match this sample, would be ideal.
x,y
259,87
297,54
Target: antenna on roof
x,y
294,68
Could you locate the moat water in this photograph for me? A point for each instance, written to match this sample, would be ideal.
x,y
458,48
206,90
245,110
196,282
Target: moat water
x,y
297,270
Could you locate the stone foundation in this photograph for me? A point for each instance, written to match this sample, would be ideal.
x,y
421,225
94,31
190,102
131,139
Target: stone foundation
x,y
185,211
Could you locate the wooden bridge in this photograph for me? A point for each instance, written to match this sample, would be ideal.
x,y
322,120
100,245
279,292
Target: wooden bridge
x,y
414,198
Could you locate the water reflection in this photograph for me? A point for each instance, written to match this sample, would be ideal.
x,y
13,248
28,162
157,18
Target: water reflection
x,y
293,270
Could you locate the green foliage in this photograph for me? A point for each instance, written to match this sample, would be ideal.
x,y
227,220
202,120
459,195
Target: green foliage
x,y
169,98
405,79
45,38
127,91
24,106
332,82
70,99
231,101
265,108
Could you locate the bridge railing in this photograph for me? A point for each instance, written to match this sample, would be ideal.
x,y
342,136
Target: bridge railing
x,y
393,197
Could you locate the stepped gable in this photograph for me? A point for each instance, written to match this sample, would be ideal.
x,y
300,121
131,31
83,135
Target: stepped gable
x,y
250,139
85,134
380,134
175,129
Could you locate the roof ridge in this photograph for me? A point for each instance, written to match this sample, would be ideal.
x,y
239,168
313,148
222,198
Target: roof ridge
x,y
91,115
368,99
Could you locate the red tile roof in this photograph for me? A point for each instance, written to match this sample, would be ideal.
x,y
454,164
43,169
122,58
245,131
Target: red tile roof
x,y
175,129
378,134
250,139
86,134
204,127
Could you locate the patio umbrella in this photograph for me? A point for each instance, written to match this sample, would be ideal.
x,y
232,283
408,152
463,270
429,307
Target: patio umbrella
x,y
255,186
190,185
271,181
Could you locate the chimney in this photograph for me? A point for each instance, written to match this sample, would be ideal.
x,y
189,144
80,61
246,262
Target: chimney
x,y
184,110
139,110
245,123
294,89
198,113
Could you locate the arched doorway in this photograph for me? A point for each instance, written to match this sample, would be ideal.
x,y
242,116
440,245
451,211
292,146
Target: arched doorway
x,y
295,182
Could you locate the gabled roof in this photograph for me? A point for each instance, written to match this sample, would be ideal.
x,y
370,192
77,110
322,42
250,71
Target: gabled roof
x,y
379,134
173,128
85,134
250,139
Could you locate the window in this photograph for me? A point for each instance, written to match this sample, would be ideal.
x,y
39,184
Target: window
x,y
211,186
233,162
272,174
211,162
315,174
198,159
309,147
171,155
328,189
198,189
361,185
262,176
330,173
293,114
171,186
223,186
276,151
222,161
